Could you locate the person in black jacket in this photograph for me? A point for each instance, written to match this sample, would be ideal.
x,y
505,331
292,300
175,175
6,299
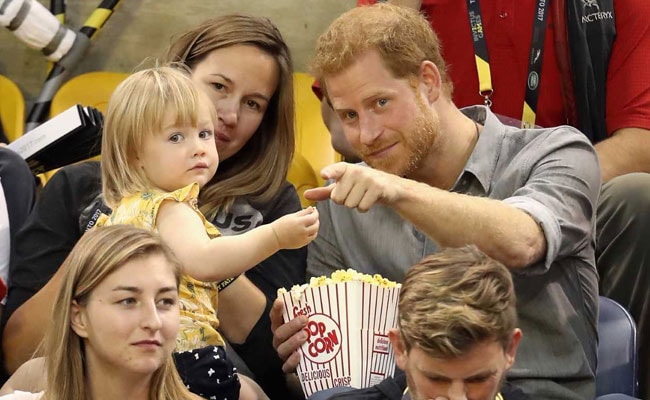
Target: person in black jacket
x,y
17,195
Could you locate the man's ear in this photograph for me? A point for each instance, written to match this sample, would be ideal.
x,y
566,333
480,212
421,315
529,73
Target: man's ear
x,y
78,319
430,81
401,355
511,351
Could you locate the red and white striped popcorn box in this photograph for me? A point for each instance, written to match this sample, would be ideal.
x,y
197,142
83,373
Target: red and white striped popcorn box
x,y
347,333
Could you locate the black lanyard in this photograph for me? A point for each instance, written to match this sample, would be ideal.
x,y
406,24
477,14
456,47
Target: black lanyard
x,y
534,61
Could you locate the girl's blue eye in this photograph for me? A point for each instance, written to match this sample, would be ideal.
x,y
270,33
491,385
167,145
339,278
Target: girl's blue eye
x,y
218,86
175,138
382,102
205,134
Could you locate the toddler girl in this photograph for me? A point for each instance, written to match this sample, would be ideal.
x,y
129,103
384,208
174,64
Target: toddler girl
x,y
158,150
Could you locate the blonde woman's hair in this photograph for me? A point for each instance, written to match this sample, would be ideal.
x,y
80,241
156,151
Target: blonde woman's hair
x,y
260,168
97,254
401,35
135,110
455,299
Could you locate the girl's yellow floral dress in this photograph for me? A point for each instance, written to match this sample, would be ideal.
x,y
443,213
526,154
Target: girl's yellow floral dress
x,y
198,300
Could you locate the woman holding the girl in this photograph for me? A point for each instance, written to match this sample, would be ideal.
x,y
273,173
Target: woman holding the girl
x,y
244,67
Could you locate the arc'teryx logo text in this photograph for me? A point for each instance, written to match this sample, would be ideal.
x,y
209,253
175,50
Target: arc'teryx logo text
x,y
595,14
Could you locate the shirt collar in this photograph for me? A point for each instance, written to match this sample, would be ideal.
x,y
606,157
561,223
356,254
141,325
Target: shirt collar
x,y
483,160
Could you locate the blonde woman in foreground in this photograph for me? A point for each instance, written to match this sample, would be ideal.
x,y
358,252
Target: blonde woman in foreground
x,y
115,322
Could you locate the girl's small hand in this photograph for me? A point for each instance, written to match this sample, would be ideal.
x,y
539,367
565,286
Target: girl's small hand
x,y
296,230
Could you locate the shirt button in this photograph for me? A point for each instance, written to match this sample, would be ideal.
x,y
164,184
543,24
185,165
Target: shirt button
x,y
503,14
418,235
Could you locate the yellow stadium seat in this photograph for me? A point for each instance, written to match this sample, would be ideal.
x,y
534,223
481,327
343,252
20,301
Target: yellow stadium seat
x,y
302,176
312,137
90,89
12,109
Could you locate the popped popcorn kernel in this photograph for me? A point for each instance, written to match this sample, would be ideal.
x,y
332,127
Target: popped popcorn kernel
x,y
339,276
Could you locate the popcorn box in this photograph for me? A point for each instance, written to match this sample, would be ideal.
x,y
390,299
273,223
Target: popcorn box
x,y
349,318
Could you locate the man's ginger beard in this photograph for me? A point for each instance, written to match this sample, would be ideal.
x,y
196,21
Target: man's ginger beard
x,y
418,143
